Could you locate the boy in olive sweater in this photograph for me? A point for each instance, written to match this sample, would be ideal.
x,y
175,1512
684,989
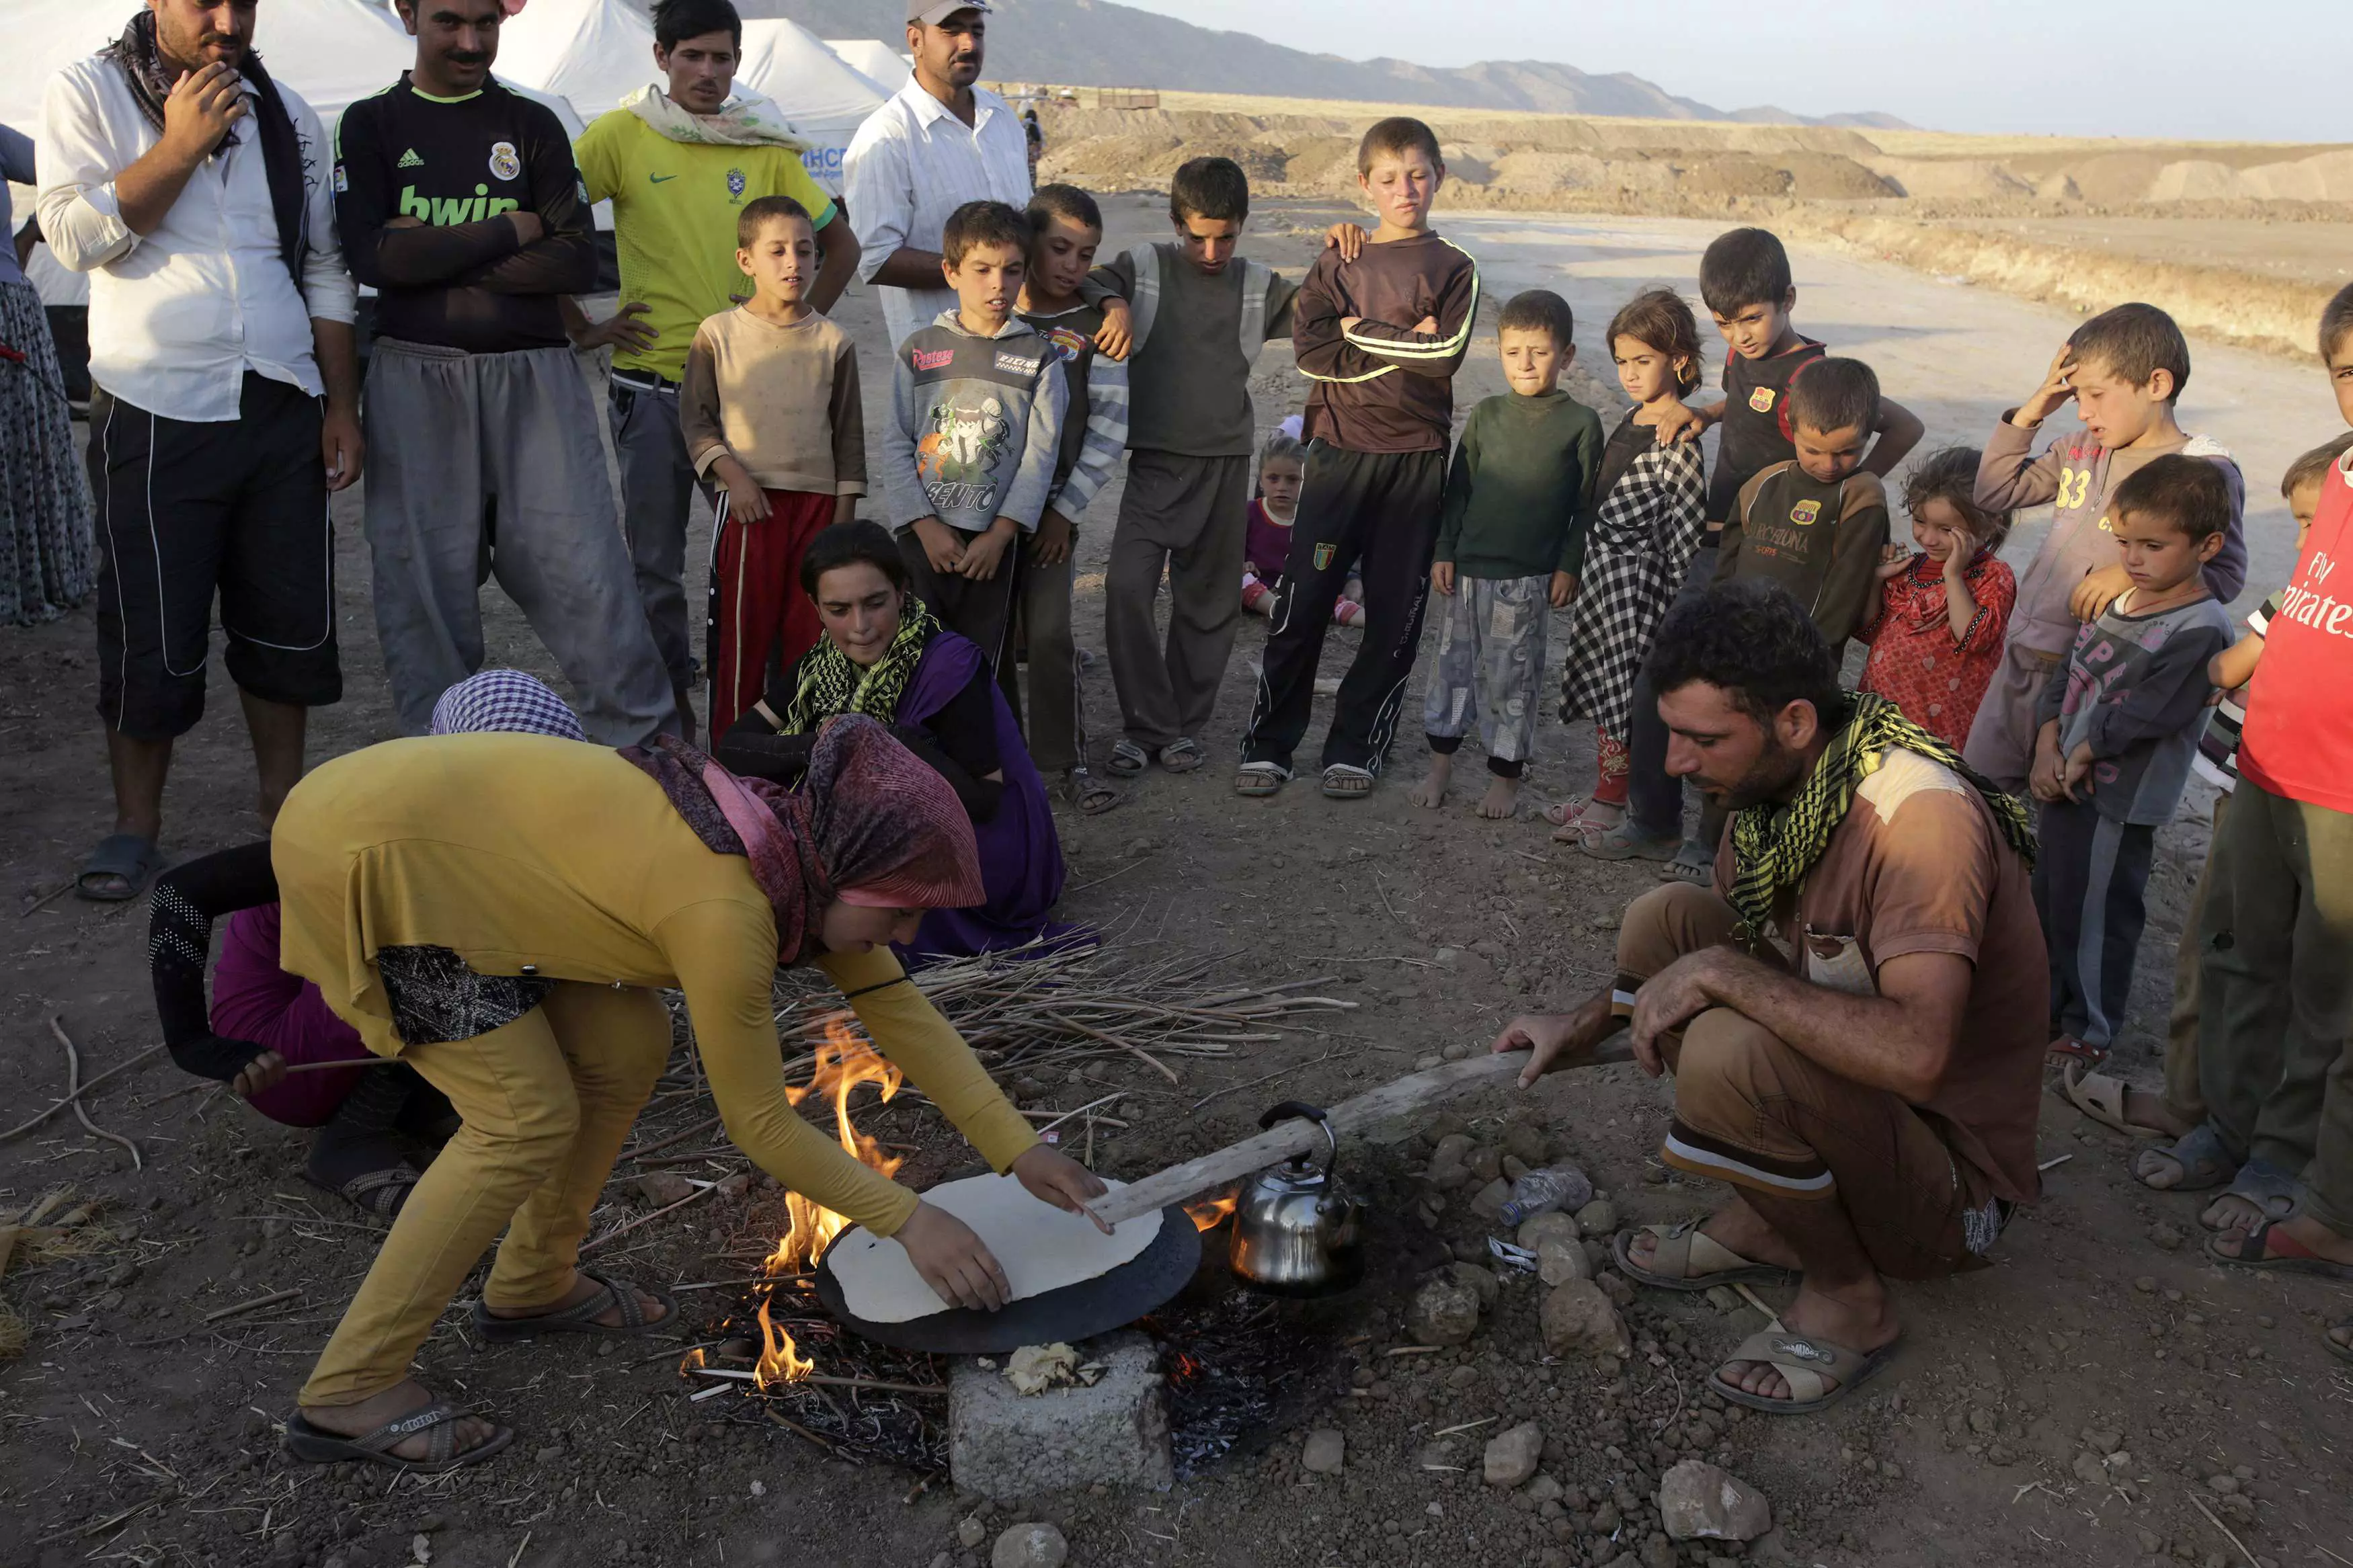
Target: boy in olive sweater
x,y
1511,541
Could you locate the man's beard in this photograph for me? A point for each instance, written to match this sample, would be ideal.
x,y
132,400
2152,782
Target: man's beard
x,y
1771,778
190,51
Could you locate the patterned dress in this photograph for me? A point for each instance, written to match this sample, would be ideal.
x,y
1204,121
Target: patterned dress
x,y
1915,661
45,518
1646,524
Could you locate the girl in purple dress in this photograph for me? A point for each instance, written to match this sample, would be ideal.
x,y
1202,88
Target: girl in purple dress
x,y
884,655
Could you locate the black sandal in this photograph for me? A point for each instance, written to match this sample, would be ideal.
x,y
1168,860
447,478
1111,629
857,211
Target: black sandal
x,y
580,1317
1088,793
379,1195
316,1446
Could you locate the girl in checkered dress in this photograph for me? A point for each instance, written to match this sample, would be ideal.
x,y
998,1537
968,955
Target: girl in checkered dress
x,y
1648,515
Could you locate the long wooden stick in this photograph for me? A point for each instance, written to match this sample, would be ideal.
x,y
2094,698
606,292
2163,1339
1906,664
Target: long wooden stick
x,y
73,1093
1285,1138
31,1122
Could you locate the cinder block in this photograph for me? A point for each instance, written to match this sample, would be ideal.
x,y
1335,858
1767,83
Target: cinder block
x,y
1007,1445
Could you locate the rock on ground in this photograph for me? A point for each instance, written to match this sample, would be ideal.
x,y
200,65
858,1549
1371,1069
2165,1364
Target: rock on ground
x,y
1578,1320
1512,1456
1532,1232
1699,1501
1598,1217
1002,1444
1444,1312
1560,1258
1481,1282
1029,1546
1323,1453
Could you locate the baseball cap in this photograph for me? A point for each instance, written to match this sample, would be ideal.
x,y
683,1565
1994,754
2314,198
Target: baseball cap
x,y
932,13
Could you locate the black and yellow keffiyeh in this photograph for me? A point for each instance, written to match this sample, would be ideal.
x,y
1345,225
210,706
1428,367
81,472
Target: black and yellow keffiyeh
x,y
829,683
1775,845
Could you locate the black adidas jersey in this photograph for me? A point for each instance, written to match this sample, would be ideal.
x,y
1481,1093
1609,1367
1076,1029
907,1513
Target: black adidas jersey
x,y
459,278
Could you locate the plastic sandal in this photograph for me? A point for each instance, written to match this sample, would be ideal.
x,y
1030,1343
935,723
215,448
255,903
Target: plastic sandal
x,y
1683,1249
1622,842
2341,1349
1088,793
1182,756
581,1317
1806,1363
2102,1097
2256,1249
1127,759
1345,781
123,854
1690,864
1257,780
2198,1154
316,1446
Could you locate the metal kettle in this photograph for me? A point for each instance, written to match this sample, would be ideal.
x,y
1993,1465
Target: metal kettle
x,y
1297,1232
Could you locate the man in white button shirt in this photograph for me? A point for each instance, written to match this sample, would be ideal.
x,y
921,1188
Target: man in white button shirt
x,y
934,145
196,192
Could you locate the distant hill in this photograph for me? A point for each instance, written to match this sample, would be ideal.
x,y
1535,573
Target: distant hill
x,y
1092,44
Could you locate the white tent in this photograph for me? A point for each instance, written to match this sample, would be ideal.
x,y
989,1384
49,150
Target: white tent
x,y
330,51
592,52
884,66
824,97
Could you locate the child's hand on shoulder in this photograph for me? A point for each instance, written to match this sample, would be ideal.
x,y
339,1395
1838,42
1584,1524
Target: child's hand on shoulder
x,y
1680,422
1347,238
982,555
2096,592
942,545
1564,589
1117,333
1441,577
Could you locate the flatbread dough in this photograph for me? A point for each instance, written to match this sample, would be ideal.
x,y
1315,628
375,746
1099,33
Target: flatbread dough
x,y
1040,1248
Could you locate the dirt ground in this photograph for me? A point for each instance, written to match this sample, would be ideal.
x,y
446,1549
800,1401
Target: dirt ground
x,y
2100,1396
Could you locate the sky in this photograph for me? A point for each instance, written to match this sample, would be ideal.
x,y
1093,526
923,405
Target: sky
x,y
2191,69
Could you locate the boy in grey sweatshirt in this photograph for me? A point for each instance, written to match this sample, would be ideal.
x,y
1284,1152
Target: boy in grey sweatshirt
x,y
976,406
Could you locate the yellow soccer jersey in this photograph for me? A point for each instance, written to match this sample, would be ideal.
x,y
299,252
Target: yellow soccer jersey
x,y
674,210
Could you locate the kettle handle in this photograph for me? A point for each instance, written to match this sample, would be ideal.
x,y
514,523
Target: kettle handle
x,y
1305,1112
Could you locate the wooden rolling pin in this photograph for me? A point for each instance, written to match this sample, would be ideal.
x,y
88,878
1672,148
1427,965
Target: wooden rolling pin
x,y
1298,1136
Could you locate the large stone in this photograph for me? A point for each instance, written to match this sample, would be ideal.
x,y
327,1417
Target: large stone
x,y
1480,1280
1561,1258
1444,1312
1512,1456
1006,1445
1533,1232
1598,1217
1526,1143
1029,1546
1699,1502
1489,1200
1450,1152
1486,1161
1578,1320
1323,1453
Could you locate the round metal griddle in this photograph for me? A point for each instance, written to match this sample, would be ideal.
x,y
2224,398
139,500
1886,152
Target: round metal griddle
x,y
1073,1312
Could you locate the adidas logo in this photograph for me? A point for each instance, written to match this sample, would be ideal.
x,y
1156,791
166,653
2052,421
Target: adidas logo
x,y
410,160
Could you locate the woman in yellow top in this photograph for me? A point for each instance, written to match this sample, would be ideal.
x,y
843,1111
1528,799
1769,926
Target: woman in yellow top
x,y
497,910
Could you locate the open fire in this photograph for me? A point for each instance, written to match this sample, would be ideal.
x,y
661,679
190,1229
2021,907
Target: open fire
x,y
843,1062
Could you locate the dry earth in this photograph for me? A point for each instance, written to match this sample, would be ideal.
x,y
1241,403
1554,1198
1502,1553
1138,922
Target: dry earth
x,y
2074,1405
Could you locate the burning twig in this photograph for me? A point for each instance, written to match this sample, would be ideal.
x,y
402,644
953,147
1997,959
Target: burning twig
x,y
73,1093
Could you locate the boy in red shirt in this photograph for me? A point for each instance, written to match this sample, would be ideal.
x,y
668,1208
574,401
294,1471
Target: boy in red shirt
x,y
2275,1031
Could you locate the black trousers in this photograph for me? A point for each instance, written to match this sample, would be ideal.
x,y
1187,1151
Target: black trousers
x,y
1380,511
981,612
1654,798
187,511
2088,882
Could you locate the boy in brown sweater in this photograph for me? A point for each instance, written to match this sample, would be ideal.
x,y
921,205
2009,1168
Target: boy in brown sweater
x,y
1381,337
769,406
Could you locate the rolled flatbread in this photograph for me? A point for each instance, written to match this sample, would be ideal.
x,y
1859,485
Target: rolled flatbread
x,y
1041,1248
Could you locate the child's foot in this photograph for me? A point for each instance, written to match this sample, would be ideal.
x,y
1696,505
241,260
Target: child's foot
x,y
1502,799
1348,613
1430,793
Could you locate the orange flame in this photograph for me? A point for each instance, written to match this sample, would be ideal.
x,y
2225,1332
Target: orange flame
x,y
843,1062
1207,1213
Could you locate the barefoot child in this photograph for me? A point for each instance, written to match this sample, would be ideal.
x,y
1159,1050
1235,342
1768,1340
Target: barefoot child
x,y
1094,433
1510,540
2119,724
1936,630
1645,522
976,404
1281,470
1381,338
770,410
2124,369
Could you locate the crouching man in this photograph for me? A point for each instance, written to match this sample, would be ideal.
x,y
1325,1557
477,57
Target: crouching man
x,y
1853,1013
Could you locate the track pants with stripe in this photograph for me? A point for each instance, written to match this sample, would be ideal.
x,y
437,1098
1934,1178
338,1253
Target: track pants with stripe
x,y
2088,882
188,511
1380,511
758,618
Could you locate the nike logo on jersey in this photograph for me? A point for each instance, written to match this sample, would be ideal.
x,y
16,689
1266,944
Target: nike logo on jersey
x,y
410,160
658,179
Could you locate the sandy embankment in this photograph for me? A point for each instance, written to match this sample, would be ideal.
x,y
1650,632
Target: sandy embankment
x,y
2237,240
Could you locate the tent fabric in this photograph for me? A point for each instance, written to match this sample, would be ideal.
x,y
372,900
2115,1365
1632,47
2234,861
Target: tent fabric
x,y
821,94
330,51
878,61
593,53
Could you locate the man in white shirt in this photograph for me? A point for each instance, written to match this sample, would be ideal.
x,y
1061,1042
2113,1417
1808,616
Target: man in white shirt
x,y
196,192
934,145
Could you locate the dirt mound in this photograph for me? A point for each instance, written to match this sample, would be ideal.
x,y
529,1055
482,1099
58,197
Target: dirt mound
x,y
1950,179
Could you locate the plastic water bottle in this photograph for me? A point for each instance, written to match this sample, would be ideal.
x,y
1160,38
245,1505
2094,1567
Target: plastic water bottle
x,y
1561,1186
